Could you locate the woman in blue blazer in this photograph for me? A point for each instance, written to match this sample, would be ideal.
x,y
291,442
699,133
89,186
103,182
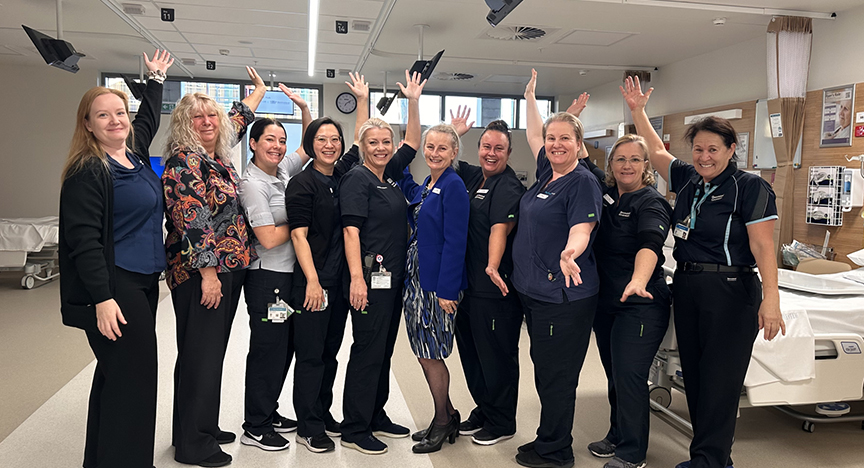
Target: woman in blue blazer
x,y
435,272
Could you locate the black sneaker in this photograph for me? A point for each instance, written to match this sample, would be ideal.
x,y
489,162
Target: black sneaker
x,y
270,441
469,427
529,447
219,458
532,459
333,428
392,430
317,444
602,448
484,437
284,425
370,445
225,437
616,462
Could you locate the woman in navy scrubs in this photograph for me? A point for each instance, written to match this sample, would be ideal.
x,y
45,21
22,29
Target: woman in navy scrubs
x,y
376,240
723,225
555,275
490,315
633,305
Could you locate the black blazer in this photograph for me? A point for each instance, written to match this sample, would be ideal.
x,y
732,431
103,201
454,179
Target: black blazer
x,y
86,244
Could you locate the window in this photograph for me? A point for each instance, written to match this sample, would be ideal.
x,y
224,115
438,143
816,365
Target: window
x,y
224,93
119,84
430,109
545,106
483,109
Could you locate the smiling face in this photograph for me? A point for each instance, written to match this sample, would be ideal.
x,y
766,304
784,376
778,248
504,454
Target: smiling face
x,y
494,152
270,147
377,146
205,123
628,166
108,120
327,144
562,146
710,155
439,151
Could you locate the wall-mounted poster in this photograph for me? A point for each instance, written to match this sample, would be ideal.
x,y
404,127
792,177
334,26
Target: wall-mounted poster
x,y
742,150
837,110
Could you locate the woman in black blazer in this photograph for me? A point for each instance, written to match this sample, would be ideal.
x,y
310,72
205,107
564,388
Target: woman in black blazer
x,y
111,255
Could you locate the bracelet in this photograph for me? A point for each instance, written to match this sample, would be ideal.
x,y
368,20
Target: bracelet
x,y
157,76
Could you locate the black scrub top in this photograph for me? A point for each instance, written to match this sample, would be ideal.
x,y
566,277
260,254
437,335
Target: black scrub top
x,y
627,220
723,209
497,201
547,212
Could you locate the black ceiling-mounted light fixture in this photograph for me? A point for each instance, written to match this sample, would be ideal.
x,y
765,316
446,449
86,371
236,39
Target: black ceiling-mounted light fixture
x,y
499,9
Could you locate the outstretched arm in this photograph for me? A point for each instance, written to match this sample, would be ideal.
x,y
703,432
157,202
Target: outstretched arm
x,y
412,91
360,88
254,99
636,101
305,118
534,124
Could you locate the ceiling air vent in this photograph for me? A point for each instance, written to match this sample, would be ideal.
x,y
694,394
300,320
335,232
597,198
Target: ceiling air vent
x,y
361,26
447,76
515,33
190,62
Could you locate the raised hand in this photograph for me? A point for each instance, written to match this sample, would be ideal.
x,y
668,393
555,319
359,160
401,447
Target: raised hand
x,y
532,85
358,86
579,104
253,76
632,92
414,88
162,61
460,120
293,96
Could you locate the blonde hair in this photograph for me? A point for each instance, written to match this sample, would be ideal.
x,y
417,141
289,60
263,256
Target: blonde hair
x,y
448,130
182,135
374,122
85,147
647,173
569,118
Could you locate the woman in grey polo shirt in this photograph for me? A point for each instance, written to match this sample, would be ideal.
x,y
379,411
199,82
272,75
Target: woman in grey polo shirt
x,y
268,279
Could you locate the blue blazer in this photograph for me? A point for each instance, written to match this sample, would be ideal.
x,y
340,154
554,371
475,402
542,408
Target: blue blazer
x,y
442,232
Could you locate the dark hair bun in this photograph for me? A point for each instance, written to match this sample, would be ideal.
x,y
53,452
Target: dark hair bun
x,y
498,126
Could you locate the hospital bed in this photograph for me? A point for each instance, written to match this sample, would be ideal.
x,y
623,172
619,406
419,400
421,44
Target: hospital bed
x,y
819,361
30,245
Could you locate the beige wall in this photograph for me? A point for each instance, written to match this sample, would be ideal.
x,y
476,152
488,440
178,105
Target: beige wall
x,y
36,127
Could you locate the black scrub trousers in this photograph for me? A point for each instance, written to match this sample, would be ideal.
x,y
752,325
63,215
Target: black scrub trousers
x,y
271,348
488,324
202,338
124,384
628,334
717,297
377,209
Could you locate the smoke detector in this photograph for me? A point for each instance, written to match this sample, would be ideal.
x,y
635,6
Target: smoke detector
x,y
719,21
224,51
515,33
133,9
447,76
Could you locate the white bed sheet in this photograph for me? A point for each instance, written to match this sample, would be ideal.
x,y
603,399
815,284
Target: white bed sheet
x,y
28,234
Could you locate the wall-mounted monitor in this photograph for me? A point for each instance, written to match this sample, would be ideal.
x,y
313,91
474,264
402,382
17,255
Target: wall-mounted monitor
x,y
56,52
276,102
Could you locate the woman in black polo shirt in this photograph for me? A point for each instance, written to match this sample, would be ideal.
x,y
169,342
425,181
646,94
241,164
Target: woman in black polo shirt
x,y
376,240
489,319
723,225
633,305
554,271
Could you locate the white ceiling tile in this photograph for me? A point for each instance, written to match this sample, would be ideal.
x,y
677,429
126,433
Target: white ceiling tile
x,y
594,38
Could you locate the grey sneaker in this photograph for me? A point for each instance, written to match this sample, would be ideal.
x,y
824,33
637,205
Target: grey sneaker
x,y
602,448
619,463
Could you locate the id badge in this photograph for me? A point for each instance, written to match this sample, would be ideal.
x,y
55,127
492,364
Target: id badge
x,y
381,280
681,231
326,302
279,312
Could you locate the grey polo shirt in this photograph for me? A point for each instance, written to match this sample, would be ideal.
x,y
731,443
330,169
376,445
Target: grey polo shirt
x,y
263,200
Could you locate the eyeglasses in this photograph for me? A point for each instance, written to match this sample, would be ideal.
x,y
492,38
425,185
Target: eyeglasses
x,y
324,140
632,161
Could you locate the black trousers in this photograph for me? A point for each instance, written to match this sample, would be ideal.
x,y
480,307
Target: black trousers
x,y
121,418
628,336
716,322
487,333
374,331
559,334
317,339
202,337
271,348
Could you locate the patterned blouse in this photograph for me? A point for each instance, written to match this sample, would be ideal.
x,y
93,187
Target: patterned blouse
x,y
206,226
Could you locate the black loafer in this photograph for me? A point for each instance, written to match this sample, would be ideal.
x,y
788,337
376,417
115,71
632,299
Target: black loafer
x,y
219,458
225,437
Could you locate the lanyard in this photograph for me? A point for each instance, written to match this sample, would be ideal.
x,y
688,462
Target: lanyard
x,y
694,208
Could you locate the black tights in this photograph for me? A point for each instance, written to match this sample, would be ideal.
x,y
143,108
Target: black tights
x,y
438,378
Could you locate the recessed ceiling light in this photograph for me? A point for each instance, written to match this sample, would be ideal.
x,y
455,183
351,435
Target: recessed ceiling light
x,y
133,9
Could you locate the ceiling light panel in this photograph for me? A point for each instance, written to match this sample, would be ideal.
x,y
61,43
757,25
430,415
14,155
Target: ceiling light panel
x,y
587,37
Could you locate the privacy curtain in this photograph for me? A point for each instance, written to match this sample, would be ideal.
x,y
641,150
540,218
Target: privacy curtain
x,y
789,45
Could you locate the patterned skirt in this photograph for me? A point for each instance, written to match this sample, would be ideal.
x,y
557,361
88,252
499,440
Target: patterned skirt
x,y
430,329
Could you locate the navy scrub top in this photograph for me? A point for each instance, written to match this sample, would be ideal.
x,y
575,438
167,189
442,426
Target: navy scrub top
x,y
724,208
138,211
547,213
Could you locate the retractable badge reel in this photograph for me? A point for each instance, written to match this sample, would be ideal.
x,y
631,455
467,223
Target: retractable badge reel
x,y
279,311
381,279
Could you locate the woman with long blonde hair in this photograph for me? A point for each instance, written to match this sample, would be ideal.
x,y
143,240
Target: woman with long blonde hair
x,y
111,254
208,249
